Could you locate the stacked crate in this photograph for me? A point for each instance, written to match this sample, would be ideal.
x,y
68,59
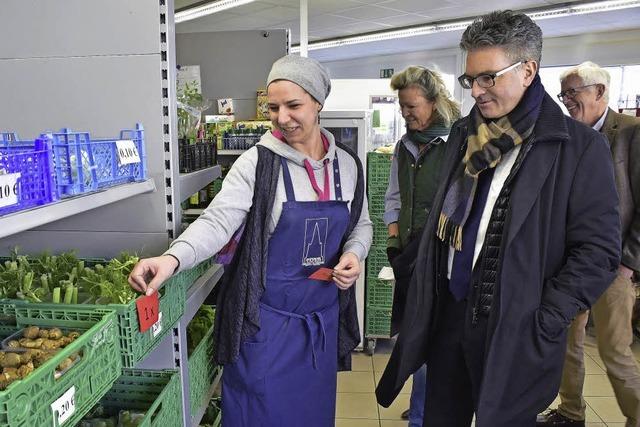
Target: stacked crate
x,y
379,293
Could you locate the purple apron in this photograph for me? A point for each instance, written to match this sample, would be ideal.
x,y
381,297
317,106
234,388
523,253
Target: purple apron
x,y
286,374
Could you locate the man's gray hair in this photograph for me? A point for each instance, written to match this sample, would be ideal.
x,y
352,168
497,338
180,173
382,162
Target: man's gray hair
x,y
515,32
591,74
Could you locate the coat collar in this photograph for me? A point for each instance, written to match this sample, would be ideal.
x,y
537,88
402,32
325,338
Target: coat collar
x,y
552,123
610,126
550,132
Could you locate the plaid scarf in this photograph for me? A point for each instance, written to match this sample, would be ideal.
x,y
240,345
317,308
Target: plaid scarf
x,y
487,142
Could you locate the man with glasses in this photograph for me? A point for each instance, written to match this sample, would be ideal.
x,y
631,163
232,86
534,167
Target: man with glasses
x,y
585,93
523,234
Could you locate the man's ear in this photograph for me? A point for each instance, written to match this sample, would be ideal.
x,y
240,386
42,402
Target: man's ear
x,y
530,69
600,89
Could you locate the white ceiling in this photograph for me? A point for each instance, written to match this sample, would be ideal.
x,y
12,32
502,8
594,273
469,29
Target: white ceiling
x,y
334,18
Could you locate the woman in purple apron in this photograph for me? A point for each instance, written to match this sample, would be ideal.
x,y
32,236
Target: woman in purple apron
x,y
280,340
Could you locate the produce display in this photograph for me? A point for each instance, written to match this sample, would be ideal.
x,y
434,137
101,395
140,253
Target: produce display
x,y
65,279
199,326
30,348
99,417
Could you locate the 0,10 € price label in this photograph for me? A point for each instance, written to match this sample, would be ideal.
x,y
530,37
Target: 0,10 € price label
x,y
64,407
127,152
9,189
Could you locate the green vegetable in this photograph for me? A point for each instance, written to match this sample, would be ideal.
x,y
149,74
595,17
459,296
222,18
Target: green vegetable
x,y
56,295
199,326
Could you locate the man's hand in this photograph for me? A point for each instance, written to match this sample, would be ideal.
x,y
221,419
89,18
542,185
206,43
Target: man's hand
x,y
149,274
347,270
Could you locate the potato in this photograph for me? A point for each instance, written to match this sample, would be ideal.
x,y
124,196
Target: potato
x,y
11,360
50,344
55,333
25,357
44,333
25,370
28,343
73,334
13,344
11,376
65,364
31,332
9,370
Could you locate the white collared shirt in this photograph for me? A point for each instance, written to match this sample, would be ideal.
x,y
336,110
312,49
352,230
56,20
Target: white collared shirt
x,y
499,177
600,122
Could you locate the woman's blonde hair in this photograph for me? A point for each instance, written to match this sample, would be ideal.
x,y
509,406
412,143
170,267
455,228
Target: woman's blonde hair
x,y
433,88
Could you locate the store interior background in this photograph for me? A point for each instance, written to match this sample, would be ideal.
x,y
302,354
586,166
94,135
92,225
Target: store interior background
x,y
610,39
103,66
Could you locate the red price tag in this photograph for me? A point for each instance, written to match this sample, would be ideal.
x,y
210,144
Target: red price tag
x,y
323,273
148,309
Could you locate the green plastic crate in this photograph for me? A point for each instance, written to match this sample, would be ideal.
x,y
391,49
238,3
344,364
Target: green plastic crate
x,y
378,322
376,259
189,277
27,402
378,168
379,293
218,421
155,392
135,346
202,372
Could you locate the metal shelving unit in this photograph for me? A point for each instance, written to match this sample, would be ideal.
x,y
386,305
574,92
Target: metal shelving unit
x,y
131,78
26,220
196,295
231,152
190,183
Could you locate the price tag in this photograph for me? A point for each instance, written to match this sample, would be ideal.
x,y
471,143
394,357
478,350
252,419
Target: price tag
x,y
148,311
64,407
127,152
323,273
9,189
156,328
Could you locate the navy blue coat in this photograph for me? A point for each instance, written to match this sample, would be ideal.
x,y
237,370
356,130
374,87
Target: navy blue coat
x,y
560,252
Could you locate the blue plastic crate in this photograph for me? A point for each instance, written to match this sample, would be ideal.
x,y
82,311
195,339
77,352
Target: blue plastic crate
x,y
83,164
33,160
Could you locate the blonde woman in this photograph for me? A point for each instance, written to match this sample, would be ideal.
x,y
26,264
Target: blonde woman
x,y
429,111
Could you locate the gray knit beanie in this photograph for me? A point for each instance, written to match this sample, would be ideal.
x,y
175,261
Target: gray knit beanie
x,y
307,73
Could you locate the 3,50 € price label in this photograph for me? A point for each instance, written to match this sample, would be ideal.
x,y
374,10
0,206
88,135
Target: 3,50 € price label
x,y
127,152
64,407
9,189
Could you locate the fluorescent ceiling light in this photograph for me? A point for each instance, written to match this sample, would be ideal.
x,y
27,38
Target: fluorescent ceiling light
x,y
419,30
208,9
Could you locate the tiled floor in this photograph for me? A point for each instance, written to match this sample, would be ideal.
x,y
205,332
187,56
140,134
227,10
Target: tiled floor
x,y
357,407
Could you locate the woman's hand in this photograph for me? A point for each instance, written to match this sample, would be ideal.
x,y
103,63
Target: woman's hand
x,y
347,270
149,274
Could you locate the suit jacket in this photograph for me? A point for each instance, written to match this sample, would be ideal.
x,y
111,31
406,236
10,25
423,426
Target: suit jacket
x,y
623,133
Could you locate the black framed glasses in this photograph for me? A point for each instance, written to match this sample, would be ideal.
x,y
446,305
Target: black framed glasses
x,y
486,80
572,92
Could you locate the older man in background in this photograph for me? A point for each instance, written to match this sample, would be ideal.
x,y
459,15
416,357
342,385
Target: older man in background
x,y
585,93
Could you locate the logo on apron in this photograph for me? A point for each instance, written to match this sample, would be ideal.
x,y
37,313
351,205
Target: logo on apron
x,y
315,237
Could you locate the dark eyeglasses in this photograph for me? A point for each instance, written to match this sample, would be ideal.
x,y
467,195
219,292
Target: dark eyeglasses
x,y
486,80
572,92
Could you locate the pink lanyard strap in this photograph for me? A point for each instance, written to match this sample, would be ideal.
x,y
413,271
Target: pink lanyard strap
x,y
323,194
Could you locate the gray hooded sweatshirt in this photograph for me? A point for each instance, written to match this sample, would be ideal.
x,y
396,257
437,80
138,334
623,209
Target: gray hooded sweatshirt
x,y
228,210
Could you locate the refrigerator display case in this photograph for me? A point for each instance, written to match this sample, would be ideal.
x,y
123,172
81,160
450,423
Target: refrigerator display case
x,y
353,129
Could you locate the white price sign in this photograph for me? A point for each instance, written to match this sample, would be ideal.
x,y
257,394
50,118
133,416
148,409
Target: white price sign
x,y
127,152
156,328
9,189
64,407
